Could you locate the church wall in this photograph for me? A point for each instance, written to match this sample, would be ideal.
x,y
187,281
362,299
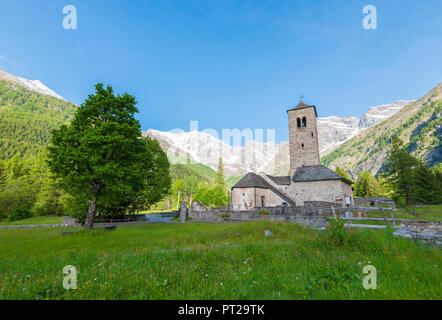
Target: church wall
x,y
247,198
330,191
243,198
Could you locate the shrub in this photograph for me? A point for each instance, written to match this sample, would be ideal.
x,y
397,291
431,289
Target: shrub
x,y
19,213
264,212
336,231
226,215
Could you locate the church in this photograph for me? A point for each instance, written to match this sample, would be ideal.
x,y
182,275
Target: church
x,y
308,180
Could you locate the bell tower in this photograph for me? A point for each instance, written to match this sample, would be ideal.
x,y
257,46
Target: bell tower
x,y
303,144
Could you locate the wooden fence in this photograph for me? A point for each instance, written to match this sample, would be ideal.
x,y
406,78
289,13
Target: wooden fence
x,y
367,209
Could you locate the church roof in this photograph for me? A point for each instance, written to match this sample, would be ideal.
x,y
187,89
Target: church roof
x,y
251,180
281,180
316,173
302,105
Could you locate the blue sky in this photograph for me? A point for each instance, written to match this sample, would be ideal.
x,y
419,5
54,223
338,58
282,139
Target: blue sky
x,y
228,64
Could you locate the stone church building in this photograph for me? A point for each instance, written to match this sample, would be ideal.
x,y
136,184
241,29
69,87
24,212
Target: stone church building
x,y
309,180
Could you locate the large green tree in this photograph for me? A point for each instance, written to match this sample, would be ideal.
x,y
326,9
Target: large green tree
x,y
157,185
100,154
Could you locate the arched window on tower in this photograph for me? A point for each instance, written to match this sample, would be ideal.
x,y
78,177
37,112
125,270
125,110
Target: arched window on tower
x,y
304,121
298,121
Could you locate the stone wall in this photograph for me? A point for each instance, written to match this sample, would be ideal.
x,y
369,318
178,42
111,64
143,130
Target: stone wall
x,y
421,226
425,231
66,220
313,213
249,198
333,191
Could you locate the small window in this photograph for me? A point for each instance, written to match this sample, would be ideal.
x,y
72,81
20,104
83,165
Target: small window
x,y
302,145
312,134
298,122
304,121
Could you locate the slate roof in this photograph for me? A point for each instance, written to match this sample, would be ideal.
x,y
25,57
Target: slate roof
x,y
316,173
302,105
251,180
281,180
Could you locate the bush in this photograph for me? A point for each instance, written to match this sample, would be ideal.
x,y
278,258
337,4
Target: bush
x,y
226,215
264,212
19,213
336,231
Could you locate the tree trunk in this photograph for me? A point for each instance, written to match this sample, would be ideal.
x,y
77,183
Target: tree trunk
x,y
89,223
407,195
91,213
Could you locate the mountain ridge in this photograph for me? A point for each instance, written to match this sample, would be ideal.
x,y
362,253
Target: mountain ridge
x,y
33,85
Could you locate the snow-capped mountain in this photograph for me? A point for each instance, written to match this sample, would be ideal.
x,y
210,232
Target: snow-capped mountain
x,y
271,158
34,85
380,113
334,131
201,147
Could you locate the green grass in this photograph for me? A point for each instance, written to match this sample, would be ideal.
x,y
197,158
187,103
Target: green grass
x,y
33,220
214,261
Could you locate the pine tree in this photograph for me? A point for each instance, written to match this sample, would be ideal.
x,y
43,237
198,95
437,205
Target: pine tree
x,y
398,170
427,187
219,179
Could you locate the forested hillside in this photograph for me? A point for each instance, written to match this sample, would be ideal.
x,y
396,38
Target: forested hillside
x,y
418,124
27,118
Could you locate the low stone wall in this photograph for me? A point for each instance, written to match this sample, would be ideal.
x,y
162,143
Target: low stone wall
x,y
422,226
36,226
426,231
311,214
70,221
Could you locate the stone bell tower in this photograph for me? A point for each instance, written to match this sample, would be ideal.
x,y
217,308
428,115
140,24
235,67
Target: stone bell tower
x,y
304,148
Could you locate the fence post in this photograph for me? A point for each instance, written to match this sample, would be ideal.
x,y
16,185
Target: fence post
x,y
392,217
333,211
383,214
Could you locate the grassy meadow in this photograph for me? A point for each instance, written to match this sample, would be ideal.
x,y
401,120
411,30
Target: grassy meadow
x,y
33,220
215,261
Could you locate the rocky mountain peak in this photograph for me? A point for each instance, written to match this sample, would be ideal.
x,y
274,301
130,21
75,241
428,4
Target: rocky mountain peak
x,y
33,85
